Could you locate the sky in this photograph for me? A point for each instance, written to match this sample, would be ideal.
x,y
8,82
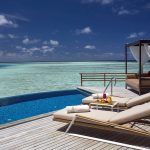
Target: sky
x,y
70,30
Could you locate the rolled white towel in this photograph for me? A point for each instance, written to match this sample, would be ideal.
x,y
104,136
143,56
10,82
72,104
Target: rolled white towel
x,y
78,109
98,95
95,96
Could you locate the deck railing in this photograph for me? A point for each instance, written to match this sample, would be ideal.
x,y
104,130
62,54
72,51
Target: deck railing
x,y
102,77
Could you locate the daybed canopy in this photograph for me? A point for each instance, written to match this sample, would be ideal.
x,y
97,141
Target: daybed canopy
x,y
141,53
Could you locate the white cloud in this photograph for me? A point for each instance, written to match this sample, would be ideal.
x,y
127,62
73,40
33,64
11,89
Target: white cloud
x,y
86,30
102,2
31,50
18,47
12,36
18,17
30,41
48,50
4,21
2,36
44,49
54,43
123,11
26,41
89,47
132,35
45,42
135,35
141,33
23,49
35,49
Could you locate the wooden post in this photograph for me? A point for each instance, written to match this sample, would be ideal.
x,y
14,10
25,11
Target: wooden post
x,y
81,79
126,60
140,68
104,80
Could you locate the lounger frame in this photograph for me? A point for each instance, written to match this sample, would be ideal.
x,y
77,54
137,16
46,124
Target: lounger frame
x,y
92,123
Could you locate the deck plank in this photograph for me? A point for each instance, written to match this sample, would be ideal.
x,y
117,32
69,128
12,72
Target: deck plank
x,y
29,137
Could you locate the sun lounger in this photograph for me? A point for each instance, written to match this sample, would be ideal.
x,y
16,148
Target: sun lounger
x,y
108,120
123,102
134,82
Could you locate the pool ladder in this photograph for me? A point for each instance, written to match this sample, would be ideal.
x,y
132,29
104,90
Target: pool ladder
x,y
110,83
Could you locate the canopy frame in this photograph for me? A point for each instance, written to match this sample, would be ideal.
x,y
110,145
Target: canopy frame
x,y
136,43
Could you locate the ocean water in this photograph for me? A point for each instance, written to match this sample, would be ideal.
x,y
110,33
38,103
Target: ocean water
x,y
23,78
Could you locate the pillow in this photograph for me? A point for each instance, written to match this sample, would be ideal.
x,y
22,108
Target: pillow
x,y
148,74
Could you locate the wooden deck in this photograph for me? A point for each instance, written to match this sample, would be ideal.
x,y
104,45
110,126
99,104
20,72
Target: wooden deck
x,y
46,134
117,91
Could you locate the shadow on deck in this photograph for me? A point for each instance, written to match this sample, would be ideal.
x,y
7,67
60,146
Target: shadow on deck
x,y
110,136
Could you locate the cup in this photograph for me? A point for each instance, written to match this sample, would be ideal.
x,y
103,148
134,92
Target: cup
x,y
104,95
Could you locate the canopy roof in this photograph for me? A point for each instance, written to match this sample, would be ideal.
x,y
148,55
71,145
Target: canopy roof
x,y
137,43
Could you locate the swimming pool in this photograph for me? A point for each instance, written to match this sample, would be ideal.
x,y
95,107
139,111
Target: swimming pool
x,y
24,106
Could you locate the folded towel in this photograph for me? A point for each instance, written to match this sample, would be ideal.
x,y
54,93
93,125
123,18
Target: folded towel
x,y
78,109
98,95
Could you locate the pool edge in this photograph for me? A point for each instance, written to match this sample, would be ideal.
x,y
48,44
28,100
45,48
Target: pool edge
x,y
14,123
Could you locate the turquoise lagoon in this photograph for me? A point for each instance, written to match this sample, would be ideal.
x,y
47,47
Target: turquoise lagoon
x,y
23,78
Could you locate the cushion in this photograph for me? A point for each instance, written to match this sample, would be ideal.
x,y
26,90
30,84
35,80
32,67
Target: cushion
x,y
132,114
148,74
93,114
139,100
120,100
62,114
99,115
134,83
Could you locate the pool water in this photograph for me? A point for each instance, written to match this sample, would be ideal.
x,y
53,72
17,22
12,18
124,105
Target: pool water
x,y
16,110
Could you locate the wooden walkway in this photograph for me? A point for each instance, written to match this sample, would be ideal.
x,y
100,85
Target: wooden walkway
x,y
46,134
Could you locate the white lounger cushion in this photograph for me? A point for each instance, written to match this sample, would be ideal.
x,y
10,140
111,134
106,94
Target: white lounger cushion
x,y
132,114
129,115
93,114
120,100
139,100
123,102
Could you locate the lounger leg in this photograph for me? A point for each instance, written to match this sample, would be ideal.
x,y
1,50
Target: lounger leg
x,y
134,124
70,125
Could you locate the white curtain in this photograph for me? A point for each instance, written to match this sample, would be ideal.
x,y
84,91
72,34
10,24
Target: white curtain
x,y
145,54
147,47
